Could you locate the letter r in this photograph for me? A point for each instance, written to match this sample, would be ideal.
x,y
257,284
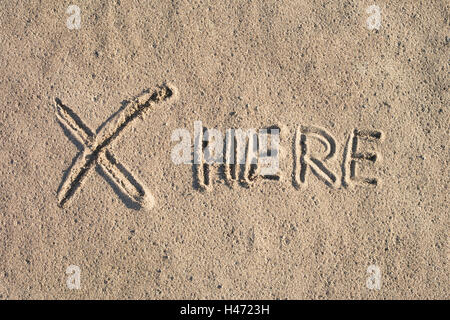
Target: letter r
x,y
304,158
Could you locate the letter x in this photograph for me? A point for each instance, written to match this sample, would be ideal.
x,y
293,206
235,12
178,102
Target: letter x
x,y
95,148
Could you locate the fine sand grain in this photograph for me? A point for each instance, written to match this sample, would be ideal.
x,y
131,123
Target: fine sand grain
x,y
87,177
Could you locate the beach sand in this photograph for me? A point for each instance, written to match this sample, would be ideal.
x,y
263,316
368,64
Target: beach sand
x,y
295,65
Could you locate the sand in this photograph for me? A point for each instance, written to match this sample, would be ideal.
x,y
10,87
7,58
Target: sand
x,y
139,226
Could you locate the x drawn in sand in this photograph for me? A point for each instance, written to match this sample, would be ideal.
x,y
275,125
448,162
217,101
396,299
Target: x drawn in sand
x,y
96,148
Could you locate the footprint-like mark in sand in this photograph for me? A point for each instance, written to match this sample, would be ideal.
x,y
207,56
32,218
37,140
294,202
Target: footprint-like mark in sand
x,y
95,148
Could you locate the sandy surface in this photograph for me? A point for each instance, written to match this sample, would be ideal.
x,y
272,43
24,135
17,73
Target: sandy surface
x,y
231,64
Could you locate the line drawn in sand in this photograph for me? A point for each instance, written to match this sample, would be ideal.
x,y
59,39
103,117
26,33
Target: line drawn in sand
x,y
95,149
245,156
